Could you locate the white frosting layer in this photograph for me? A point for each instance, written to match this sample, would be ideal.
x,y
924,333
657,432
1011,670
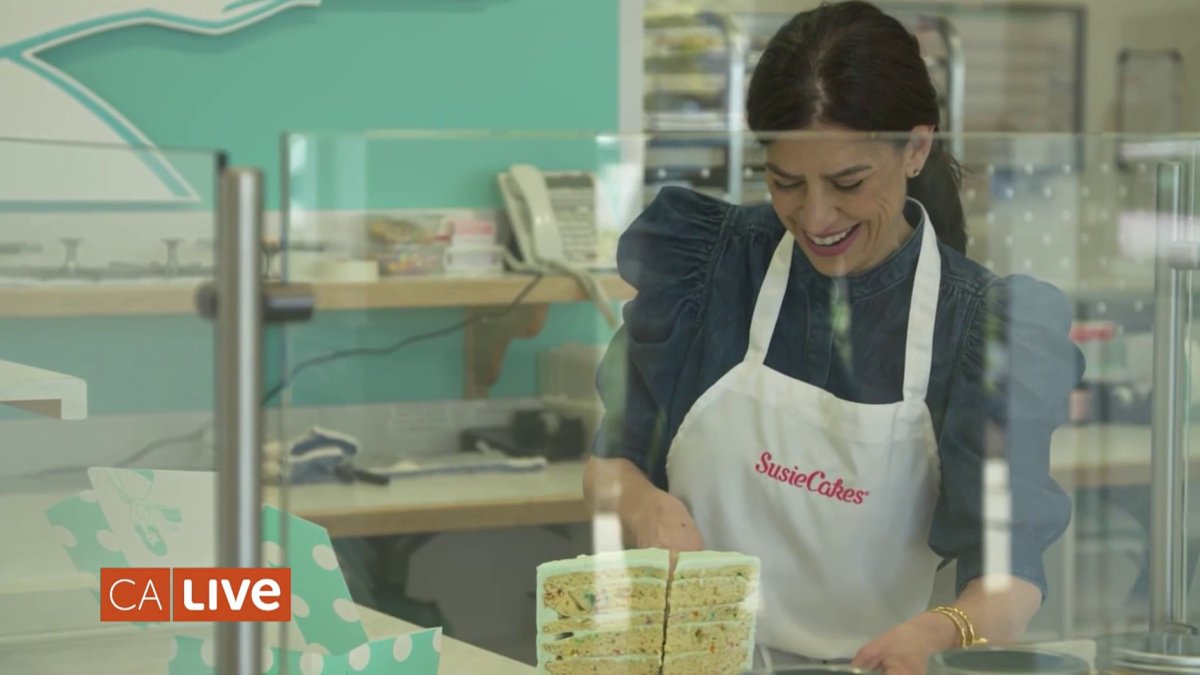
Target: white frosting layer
x,y
702,560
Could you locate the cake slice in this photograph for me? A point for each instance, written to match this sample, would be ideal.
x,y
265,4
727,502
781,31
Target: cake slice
x,y
602,614
712,606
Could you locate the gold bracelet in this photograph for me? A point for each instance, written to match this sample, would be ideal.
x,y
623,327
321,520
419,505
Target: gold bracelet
x,y
966,629
958,626
975,639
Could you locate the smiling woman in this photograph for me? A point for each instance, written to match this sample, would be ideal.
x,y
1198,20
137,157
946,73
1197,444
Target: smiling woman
x,y
855,69
843,200
838,340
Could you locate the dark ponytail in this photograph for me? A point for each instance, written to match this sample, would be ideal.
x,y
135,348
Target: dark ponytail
x,y
851,65
937,187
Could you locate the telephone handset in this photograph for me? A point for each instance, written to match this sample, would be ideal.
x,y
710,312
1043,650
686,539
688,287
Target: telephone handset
x,y
553,222
531,214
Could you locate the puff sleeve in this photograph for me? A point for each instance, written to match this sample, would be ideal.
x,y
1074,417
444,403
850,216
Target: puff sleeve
x,y
1016,369
667,255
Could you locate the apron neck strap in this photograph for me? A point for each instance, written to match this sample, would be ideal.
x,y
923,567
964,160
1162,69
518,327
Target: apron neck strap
x,y
927,283
770,299
918,352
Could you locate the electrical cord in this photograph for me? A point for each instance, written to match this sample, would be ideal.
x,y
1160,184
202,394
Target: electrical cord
x,y
586,280
305,365
385,351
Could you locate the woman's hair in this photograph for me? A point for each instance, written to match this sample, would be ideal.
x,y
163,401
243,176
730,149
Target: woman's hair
x,y
851,65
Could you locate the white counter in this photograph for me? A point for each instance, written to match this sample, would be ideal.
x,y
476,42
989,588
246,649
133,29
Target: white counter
x,y
127,651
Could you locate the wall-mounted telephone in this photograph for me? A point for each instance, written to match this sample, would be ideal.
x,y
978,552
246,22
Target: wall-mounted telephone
x,y
553,215
554,226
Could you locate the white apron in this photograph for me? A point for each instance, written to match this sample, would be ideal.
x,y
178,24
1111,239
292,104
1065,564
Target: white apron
x,y
835,497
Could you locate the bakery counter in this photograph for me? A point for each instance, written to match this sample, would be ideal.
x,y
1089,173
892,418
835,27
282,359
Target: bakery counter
x,y
1080,456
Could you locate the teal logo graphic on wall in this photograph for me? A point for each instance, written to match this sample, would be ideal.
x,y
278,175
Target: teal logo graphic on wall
x,y
43,102
150,517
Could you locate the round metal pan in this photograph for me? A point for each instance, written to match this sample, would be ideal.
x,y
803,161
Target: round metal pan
x,y
1149,653
819,669
1006,661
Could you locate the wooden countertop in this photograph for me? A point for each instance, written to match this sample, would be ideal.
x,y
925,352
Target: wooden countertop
x,y
443,503
1081,456
124,650
1109,455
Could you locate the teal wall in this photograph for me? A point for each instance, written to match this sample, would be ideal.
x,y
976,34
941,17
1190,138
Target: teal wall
x,y
358,65
346,65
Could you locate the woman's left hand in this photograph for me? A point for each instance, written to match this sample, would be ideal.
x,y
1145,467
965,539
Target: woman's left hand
x,y
905,649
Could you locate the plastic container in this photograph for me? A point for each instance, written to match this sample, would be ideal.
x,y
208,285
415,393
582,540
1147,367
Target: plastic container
x,y
468,232
1103,347
1006,661
383,231
477,260
410,259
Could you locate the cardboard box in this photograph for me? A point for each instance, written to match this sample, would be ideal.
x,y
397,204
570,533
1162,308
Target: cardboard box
x,y
148,518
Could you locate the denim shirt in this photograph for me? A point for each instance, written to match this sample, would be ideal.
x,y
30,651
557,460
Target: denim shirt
x,y
1002,355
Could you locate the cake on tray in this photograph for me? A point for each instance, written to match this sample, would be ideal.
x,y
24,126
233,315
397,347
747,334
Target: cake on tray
x,y
621,613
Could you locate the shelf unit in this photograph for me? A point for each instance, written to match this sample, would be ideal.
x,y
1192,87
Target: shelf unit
x,y
44,392
697,69
488,330
695,92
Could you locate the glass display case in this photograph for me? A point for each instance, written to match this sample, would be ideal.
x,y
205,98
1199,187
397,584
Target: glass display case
x,y
109,382
473,397
491,310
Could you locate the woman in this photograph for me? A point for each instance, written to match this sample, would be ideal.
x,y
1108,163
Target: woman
x,y
806,381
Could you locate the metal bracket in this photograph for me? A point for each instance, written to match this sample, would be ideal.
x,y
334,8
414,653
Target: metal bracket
x,y
281,303
487,341
1184,256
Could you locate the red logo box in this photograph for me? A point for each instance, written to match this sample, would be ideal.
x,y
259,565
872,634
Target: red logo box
x,y
135,594
195,594
232,594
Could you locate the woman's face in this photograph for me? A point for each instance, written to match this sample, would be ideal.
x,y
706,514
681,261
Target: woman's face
x,y
841,194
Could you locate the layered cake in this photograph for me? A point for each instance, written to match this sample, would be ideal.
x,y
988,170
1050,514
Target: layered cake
x,y
619,614
602,614
711,606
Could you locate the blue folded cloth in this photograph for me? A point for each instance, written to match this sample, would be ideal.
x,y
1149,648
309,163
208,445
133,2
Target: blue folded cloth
x,y
311,458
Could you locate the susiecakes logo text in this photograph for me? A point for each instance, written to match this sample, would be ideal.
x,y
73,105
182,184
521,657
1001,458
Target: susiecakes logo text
x,y
813,481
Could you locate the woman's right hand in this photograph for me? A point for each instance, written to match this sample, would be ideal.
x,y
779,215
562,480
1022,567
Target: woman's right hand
x,y
662,521
651,517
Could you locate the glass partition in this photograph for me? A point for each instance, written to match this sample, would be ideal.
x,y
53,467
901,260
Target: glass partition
x,y
106,395
748,345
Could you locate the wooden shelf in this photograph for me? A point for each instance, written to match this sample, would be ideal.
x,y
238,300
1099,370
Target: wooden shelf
x,y
44,392
460,292
60,301
442,502
96,301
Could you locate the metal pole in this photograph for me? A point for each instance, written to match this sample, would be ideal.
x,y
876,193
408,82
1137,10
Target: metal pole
x,y
956,81
738,48
1168,491
238,412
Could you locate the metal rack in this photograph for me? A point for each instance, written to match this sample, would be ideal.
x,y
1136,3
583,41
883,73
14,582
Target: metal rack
x,y
953,93
699,140
702,129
